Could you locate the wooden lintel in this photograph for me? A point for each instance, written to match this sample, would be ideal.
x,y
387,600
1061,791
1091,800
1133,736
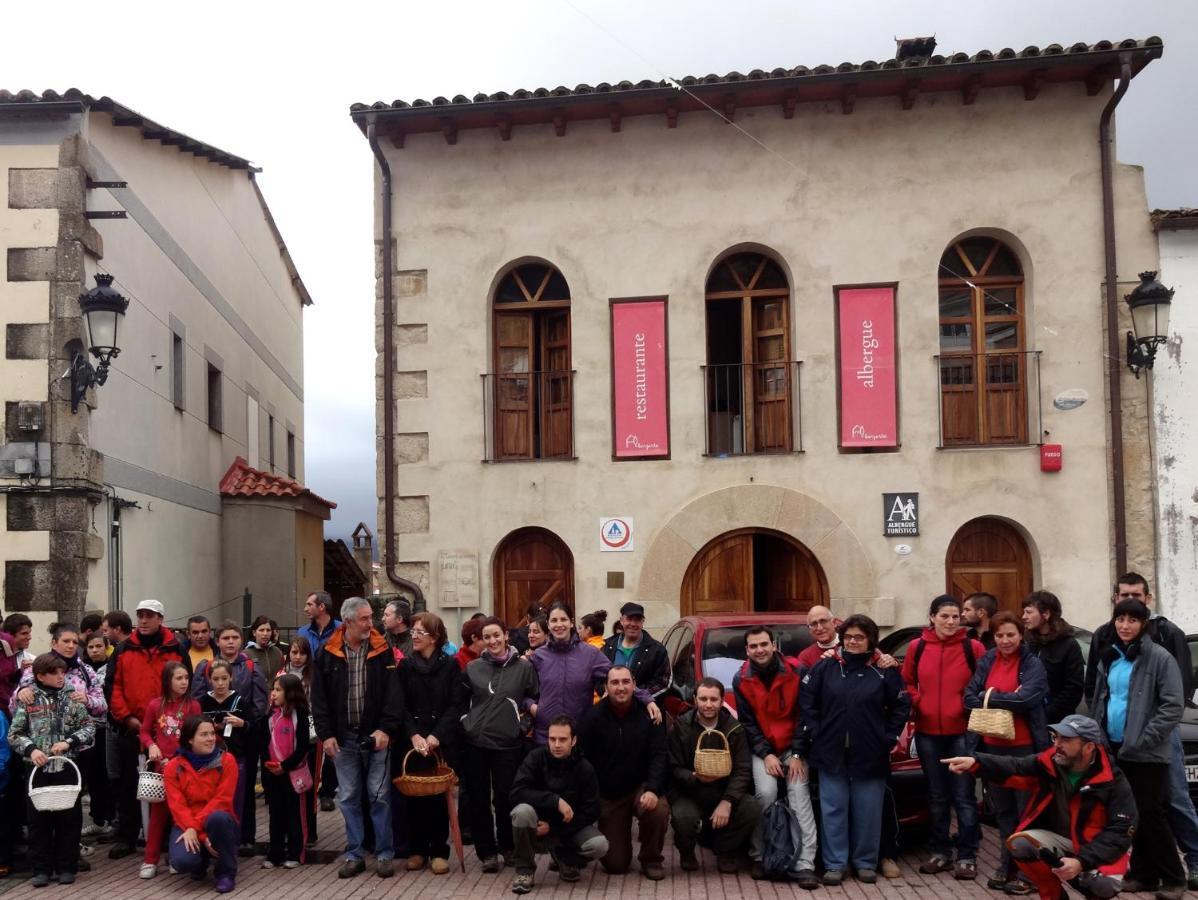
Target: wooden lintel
x,y
969,90
848,99
126,120
615,114
559,124
174,140
788,104
1033,84
1095,80
909,93
154,135
397,140
730,107
671,116
449,128
505,129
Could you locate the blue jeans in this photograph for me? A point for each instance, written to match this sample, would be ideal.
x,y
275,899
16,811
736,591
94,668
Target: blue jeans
x,y
946,790
1182,819
851,826
364,775
223,832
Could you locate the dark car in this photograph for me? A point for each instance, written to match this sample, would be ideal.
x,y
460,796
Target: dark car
x,y
1189,726
701,646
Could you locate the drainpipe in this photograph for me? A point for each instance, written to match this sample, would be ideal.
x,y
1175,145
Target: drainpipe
x,y
1114,352
390,548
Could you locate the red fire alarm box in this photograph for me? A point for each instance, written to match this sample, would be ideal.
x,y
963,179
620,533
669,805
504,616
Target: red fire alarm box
x,y
1050,457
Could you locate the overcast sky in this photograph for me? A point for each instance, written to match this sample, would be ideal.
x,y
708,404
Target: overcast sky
x,y
273,83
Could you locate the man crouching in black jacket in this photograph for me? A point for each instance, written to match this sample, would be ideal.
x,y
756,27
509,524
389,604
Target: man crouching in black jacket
x,y
1077,825
555,804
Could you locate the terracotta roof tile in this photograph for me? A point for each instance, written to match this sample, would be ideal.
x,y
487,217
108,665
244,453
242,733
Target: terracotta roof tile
x,y
243,480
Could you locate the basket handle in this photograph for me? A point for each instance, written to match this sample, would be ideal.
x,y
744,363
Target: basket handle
x,y
707,731
66,759
403,769
986,698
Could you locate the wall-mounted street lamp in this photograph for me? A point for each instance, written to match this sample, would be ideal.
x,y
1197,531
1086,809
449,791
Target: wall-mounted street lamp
x,y
102,307
1149,304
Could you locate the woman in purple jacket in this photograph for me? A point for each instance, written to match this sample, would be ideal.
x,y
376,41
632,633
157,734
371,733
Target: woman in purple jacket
x,y
570,672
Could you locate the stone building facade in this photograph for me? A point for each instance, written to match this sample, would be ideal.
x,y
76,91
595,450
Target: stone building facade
x,y
752,214
119,500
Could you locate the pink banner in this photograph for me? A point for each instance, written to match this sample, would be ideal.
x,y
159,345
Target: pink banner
x,y
868,381
640,382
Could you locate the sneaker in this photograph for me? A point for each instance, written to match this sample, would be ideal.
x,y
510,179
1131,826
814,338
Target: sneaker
x,y
439,866
147,870
654,871
41,879
1017,887
1192,880
522,883
867,876
567,872
267,864
351,867
890,869
491,865
291,864
935,864
92,830
1171,892
225,885
998,880
120,851
965,870
727,863
806,879
833,877
245,851
1131,886
173,871
86,849
327,804
384,868
687,860
66,877
83,865
415,863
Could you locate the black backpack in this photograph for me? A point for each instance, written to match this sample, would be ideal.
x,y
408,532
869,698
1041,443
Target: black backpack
x,y
782,838
967,646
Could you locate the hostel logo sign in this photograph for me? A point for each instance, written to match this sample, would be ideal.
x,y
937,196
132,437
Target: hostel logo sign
x,y
900,515
615,534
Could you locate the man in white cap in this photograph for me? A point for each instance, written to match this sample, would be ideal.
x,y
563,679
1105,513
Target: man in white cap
x,y
133,679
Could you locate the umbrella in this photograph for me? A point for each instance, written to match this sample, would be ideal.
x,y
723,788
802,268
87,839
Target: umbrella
x,y
454,828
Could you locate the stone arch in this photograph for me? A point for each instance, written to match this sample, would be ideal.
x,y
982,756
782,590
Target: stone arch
x,y
852,582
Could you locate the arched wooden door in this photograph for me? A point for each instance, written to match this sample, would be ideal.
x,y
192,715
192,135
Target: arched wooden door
x,y
753,570
532,564
989,555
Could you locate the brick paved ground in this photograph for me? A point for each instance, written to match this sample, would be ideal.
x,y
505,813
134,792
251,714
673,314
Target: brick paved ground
x,y
119,880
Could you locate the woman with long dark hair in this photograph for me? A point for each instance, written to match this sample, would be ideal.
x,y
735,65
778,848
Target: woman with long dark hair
x,y
262,649
1050,638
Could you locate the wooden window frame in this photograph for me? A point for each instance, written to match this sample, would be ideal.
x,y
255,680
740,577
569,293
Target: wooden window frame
x,y
215,405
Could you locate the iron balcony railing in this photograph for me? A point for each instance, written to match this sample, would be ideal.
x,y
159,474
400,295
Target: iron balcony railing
x,y
752,408
990,399
528,415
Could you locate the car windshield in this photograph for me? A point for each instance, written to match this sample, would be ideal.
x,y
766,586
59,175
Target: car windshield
x,y
724,648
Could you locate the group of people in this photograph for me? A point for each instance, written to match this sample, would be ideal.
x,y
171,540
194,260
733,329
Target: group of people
x,y
559,741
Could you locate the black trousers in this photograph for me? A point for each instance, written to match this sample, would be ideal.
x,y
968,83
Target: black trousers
x,y
286,810
428,827
489,776
94,765
1153,849
691,817
249,813
54,836
127,806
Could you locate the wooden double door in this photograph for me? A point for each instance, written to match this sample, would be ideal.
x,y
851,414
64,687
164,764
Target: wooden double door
x,y
989,555
532,565
753,570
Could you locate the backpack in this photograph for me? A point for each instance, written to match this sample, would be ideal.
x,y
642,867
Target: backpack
x,y
782,837
967,645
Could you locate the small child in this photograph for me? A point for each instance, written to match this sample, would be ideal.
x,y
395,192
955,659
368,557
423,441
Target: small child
x,y
52,724
285,737
160,731
226,710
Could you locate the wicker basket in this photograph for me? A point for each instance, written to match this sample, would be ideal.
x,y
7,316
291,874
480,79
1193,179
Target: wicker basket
x,y
996,723
713,762
151,785
440,781
55,797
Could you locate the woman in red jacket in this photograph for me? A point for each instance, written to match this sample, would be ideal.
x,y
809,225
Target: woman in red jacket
x,y
200,785
938,666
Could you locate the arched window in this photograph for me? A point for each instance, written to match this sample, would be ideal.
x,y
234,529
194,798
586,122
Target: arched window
x,y
983,357
748,377
532,388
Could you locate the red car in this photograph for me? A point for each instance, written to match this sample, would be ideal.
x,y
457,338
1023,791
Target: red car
x,y
702,646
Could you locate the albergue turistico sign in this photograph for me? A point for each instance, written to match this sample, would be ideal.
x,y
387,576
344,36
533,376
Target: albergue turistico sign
x,y
900,515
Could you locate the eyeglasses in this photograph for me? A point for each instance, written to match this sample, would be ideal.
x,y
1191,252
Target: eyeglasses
x,y
419,632
855,638
818,623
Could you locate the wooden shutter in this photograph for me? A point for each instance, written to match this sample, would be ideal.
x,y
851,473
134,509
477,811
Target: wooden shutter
x,y
555,385
514,389
771,376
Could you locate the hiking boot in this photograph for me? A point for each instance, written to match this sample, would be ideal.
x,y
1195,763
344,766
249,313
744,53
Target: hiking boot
x,y
415,863
935,864
522,883
1171,892
890,869
833,877
867,876
327,804
1192,881
998,880
654,871
384,868
120,850
1017,887
351,867
439,866
757,872
567,872
1132,886
687,861
491,865
806,879
965,870
41,879
727,863
225,885
66,877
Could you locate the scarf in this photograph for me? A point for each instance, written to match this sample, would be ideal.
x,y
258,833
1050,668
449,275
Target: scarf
x,y
72,662
202,760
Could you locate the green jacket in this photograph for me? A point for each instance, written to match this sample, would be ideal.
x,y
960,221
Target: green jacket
x,y
51,716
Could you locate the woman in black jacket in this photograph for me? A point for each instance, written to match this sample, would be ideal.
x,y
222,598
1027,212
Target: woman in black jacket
x,y
1050,638
432,685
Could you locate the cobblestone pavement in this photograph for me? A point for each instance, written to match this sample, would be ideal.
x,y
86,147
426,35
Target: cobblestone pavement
x,y
118,879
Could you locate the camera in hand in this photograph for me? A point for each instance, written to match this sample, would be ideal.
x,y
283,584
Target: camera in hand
x,y
367,743
1051,857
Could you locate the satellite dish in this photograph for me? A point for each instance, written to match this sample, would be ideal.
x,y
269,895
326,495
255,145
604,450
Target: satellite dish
x,y
1070,399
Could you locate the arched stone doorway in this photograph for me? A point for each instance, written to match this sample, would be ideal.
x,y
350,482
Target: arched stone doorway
x,y
753,570
531,564
989,554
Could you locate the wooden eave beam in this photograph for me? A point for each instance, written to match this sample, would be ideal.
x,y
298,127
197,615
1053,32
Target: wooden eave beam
x,y
127,120
909,93
671,115
397,140
505,128
848,99
730,107
1033,83
788,104
1095,80
559,124
615,115
449,128
969,90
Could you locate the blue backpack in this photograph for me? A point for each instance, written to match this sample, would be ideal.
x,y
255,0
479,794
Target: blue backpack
x,y
782,839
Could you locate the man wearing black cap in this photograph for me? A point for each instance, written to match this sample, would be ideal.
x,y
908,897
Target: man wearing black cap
x,y
1077,826
636,649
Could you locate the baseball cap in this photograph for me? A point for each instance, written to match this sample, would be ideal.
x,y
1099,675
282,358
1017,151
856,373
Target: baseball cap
x,y
153,606
1076,726
632,609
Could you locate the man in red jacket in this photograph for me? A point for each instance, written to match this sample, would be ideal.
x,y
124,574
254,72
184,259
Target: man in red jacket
x,y
133,679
